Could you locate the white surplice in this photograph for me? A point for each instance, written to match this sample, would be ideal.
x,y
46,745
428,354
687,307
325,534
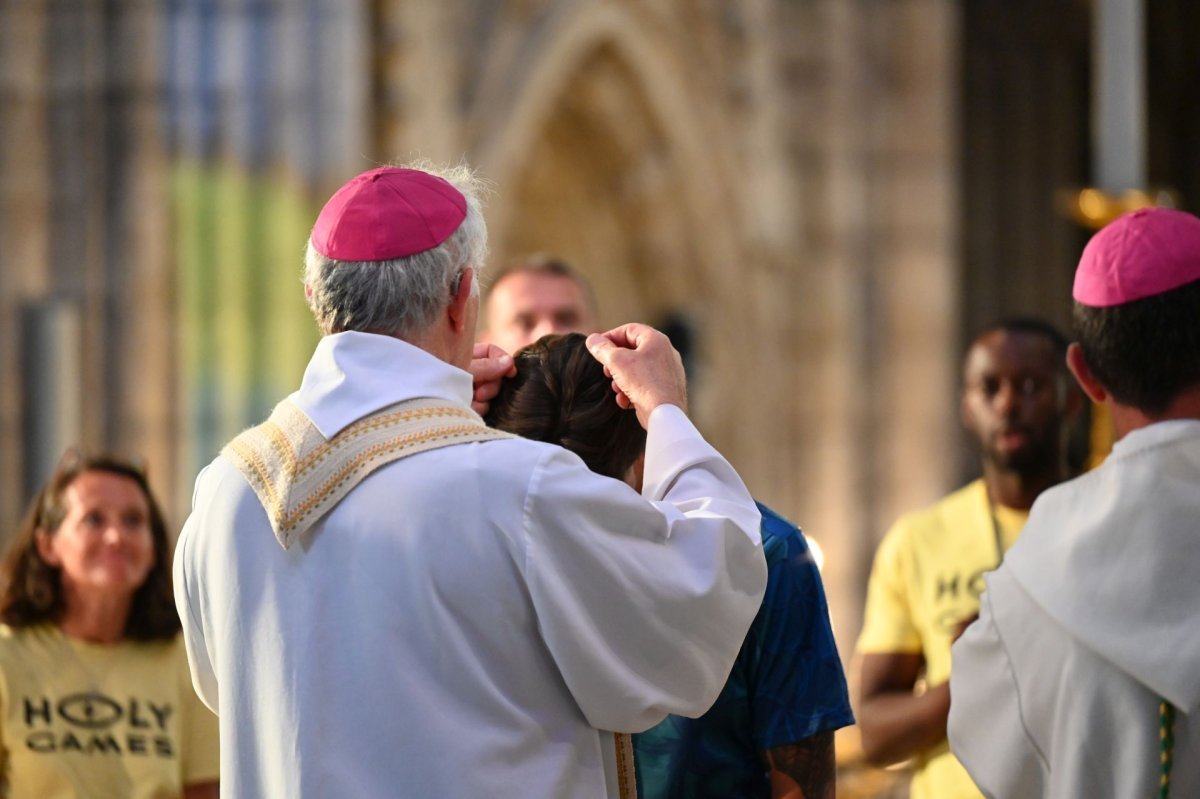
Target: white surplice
x,y
1090,620
467,620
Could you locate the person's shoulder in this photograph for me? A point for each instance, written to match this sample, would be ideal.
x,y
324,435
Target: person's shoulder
x,y
16,634
791,569
518,446
774,524
942,515
506,469
518,458
19,643
221,491
781,538
11,637
221,476
12,652
973,495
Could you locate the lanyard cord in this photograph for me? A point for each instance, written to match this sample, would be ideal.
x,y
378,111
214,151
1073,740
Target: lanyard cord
x,y
999,539
1166,744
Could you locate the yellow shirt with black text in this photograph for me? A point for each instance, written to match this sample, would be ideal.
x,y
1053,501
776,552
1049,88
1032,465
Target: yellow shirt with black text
x,y
91,720
927,577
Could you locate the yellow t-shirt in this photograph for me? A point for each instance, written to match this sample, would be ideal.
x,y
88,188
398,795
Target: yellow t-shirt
x,y
88,720
927,577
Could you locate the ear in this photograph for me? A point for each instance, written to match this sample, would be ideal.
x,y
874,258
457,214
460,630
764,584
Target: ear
x,y
965,417
461,301
45,547
1083,374
1073,399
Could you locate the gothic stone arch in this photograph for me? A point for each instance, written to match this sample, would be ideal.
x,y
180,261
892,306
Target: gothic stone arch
x,y
605,150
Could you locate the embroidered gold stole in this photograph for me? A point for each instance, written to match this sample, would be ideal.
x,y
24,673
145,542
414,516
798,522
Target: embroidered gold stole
x,y
299,475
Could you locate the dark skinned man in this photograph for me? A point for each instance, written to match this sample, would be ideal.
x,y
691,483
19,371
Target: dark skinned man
x,y
928,573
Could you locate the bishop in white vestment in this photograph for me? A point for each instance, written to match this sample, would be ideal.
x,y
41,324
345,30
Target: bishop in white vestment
x,y
382,598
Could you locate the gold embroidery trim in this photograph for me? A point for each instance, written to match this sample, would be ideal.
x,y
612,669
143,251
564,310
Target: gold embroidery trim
x,y
289,519
626,779
286,448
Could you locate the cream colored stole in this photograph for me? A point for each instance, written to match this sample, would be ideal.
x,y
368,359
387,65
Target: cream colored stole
x,y
299,476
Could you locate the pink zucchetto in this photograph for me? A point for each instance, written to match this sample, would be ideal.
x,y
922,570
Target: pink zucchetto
x,y
388,213
1143,253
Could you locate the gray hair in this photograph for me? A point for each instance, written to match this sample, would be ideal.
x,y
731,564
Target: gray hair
x,y
403,296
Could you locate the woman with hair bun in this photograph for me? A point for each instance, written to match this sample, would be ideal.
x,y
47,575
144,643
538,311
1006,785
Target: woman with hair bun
x,y
561,395
770,733
95,695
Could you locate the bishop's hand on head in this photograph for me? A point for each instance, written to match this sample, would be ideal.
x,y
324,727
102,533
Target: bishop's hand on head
x,y
489,365
645,368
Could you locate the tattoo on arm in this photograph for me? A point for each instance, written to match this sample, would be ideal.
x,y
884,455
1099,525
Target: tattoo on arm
x,y
803,770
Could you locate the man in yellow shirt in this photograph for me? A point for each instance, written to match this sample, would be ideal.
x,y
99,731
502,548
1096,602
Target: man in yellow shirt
x,y
1017,400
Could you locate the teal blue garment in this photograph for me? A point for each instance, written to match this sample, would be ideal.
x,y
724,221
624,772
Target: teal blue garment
x,y
786,685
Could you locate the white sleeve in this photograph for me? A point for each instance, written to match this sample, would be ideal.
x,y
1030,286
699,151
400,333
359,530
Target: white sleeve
x,y
644,605
187,602
986,728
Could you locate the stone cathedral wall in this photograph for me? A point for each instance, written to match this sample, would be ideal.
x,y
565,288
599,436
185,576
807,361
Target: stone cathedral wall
x,y
780,175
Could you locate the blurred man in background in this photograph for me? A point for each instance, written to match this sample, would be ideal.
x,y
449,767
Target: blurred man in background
x,y
534,297
1017,400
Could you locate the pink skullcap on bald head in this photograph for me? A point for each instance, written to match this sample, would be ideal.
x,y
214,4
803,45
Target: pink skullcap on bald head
x,y
388,213
1143,253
